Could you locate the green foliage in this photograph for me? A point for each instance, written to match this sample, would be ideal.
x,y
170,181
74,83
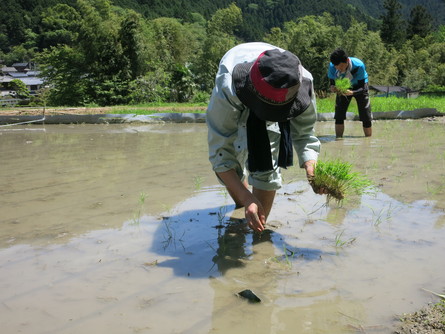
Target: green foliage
x,y
312,39
218,41
420,22
225,20
201,97
183,84
18,52
337,179
130,36
92,52
20,88
171,43
59,26
435,89
152,87
392,29
62,69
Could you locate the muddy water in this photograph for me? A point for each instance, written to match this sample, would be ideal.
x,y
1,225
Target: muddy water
x,y
123,229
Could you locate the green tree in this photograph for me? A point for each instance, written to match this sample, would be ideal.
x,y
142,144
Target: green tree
x,y
62,69
19,53
380,63
131,38
173,48
439,35
153,86
13,23
172,43
392,29
91,65
421,62
20,89
312,39
107,71
419,22
225,20
59,25
220,39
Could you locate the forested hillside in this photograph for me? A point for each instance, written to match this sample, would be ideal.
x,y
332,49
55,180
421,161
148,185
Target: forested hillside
x,y
375,8
133,51
262,15
259,16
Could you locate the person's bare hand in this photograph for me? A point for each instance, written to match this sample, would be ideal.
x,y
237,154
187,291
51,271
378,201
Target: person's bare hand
x,y
309,166
310,174
349,92
255,217
317,189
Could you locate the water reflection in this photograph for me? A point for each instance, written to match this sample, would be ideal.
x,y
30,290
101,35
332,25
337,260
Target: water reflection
x,y
68,180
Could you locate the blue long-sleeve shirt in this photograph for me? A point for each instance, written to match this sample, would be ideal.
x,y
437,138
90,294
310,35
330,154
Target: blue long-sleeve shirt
x,y
356,72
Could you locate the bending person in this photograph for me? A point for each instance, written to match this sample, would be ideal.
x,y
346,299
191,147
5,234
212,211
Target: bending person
x,y
262,105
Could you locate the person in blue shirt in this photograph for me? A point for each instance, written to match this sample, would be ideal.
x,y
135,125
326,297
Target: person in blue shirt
x,y
262,108
342,66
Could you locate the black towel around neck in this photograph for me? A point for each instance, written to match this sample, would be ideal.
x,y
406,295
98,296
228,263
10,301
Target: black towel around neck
x,y
258,145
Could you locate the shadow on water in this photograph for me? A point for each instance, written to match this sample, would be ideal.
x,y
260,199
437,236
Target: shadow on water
x,y
207,243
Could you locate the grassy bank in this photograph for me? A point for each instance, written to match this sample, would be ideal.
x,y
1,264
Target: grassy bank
x,y
387,104
323,105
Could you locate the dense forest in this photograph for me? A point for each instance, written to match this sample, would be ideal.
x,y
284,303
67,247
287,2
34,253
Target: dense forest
x,y
131,51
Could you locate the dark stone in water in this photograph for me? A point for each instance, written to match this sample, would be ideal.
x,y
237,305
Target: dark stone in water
x,y
249,295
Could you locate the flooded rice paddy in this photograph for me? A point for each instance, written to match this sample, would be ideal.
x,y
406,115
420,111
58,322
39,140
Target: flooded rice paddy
x,y
124,229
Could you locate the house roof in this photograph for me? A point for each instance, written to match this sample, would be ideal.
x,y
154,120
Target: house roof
x,y
8,69
6,79
28,81
20,64
32,73
18,75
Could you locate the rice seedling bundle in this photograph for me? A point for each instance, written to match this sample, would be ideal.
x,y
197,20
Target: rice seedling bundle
x,y
338,181
342,85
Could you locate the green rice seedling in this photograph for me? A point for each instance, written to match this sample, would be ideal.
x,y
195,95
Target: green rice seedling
x,y
137,213
198,182
285,258
340,243
342,85
435,293
379,217
337,180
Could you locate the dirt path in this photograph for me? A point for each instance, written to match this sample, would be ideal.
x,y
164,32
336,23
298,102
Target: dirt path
x,y
91,111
